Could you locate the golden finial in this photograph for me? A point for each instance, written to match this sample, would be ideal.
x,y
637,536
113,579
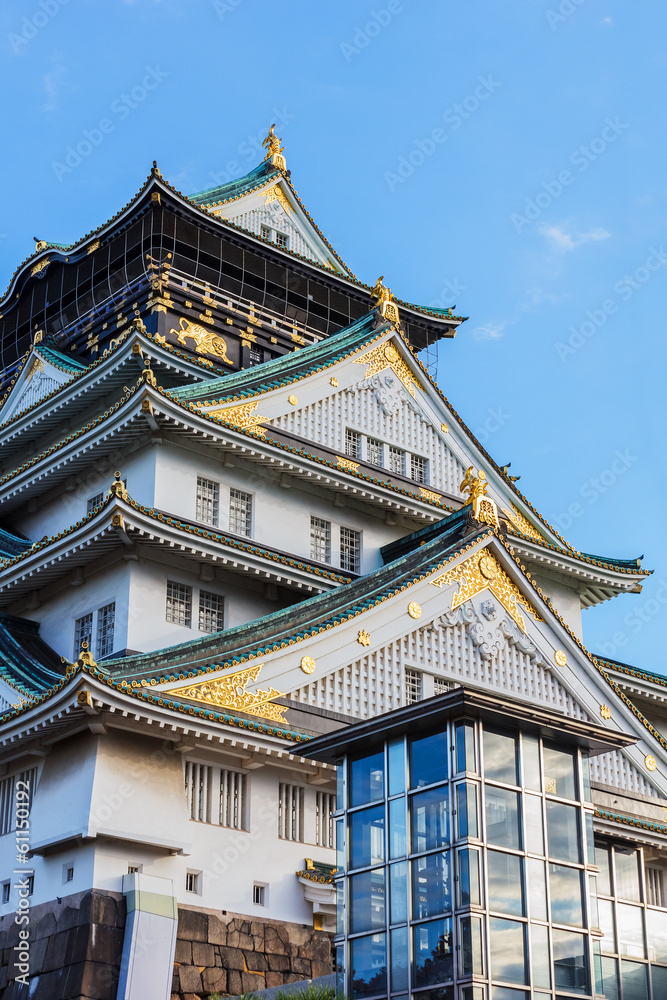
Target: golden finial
x,y
147,374
85,656
483,507
118,487
39,244
274,151
381,295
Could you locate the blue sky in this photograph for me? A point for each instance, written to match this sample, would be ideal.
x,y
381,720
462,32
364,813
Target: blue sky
x,y
505,157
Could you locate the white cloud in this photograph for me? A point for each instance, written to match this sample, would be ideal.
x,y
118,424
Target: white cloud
x,y
607,20
492,331
53,81
564,241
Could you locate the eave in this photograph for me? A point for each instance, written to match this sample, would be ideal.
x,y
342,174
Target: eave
x,y
642,683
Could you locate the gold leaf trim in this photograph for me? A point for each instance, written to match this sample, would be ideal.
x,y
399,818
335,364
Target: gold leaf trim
x,y
386,356
230,692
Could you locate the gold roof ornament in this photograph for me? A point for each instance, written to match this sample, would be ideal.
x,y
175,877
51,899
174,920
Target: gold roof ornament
x,y
118,487
147,374
85,656
484,509
274,151
386,356
381,295
230,693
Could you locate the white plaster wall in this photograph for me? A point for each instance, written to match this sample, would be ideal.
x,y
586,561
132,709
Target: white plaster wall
x,y
565,600
61,803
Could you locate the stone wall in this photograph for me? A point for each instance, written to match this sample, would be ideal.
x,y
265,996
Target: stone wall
x,y
233,954
75,949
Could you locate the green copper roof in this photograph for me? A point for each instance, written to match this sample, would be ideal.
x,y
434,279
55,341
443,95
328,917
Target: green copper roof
x,y
234,189
26,662
12,545
59,360
627,668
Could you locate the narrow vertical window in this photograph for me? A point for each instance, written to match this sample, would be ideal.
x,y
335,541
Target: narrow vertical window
x,y
350,550
94,502
240,512
198,782
326,806
320,539
83,632
374,451
395,460
105,626
352,443
282,240
179,604
211,612
232,799
290,812
413,686
208,500
418,468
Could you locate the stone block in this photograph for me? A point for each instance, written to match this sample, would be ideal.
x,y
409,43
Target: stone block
x,y
192,926
273,945
202,954
37,953
302,966
252,981
70,916
103,910
256,928
245,941
44,927
232,938
321,968
274,979
320,948
183,953
217,930
234,984
214,980
232,958
189,978
299,936
278,963
291,977
255,961
99,980
106,944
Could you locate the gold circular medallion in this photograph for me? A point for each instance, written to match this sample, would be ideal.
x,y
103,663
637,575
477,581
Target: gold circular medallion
x,y
307,664
650,762
292,400
560,657
605,711
334,380
414,609
487,566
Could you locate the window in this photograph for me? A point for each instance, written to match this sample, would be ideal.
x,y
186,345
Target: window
x,y
440,685
31,884
418,468
6,891
68,873
255,357
192,880
320,539
23,782
134,869
258,894
374,451
198,791
83,632
232,799
211,612
179,604
290,812
94,502
413,686
655,895
352,443
326,806
350,550
208,500
266,232
240,512
282,240
105,626
395,460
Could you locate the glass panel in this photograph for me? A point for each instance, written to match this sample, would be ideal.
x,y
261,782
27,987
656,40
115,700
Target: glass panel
x,y
471,946
429,826
367,837
465,747
340,907
505,883
367,779
466,810
635,981
369,965
340,785
396,766
340,970
469,884
398,892
428,760
597,967
627,873
590,839
593,901
570,965
539,950
559,773
340,843
659,981
563,832
508,950
502,817
505,993
399,959
534,824
532,772
472,993
656,928
603,861
586,775
610,984
606,924
537,888
630,931
566,901
500,757
397,831
431,886
433,952
367,901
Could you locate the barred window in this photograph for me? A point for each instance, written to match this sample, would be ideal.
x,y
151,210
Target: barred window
x,y
211,612
282,240
655,895
106,617
198,791
240,512
27,780
290,812
232,799
352,443
374,451
208,500
320,539
413,686
94,502
179,603
266,232
258,893
83,632
255,356
326,806
395,460
192,881
440,685
350,550
418,468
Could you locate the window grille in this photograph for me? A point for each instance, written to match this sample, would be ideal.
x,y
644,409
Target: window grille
x,y
8,799
290,812
179,604
440,685
232,799
94,502
320,539
240,512
266,232
418,468
282,240
192,881
374,451
395,460
134,869
198,791
208,500
326,806
6,891
211,612
255,356
655,895
258,894
352,443
413,686
105,627
350,550
83,632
